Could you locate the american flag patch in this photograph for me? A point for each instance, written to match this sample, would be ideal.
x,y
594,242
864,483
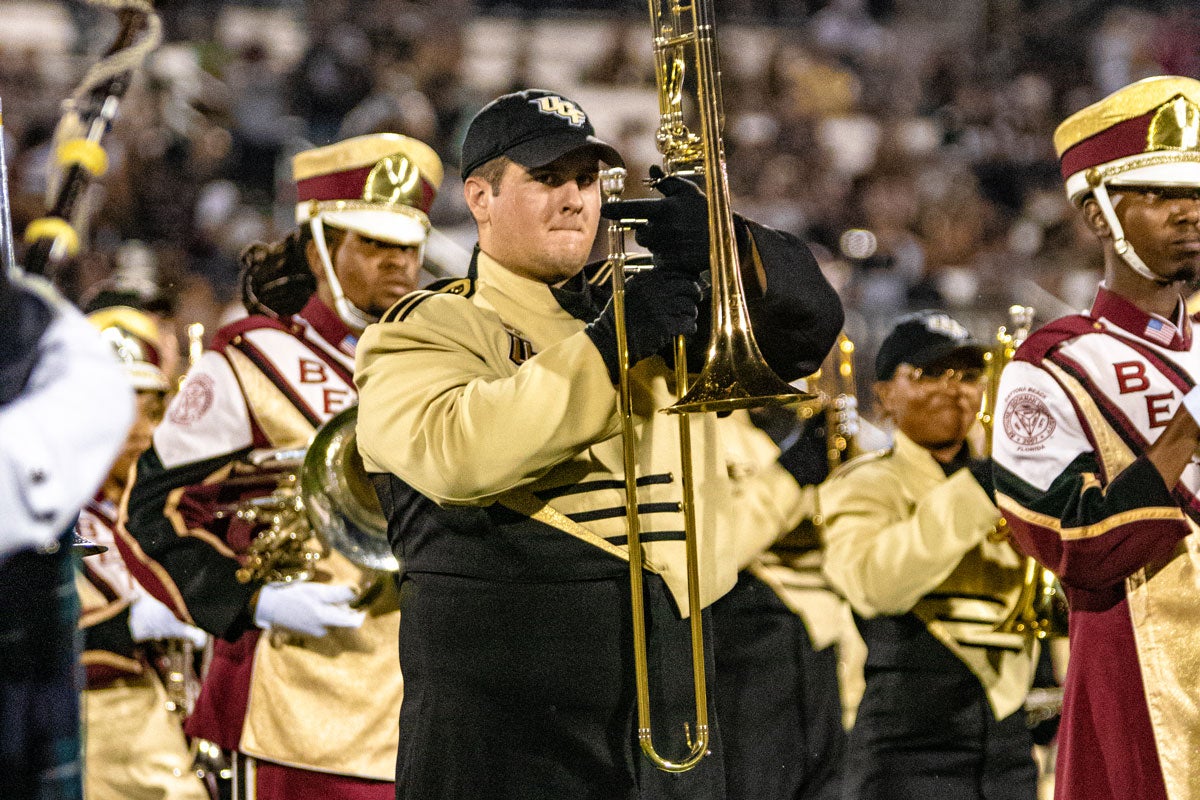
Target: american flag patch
x,y
1159,331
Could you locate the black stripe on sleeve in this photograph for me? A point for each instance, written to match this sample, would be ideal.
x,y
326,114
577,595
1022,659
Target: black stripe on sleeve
x,y
619,511
596,486
649,536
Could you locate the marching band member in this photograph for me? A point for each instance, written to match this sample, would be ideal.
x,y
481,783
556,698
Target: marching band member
x,y
1096,466
776,688
53,454
911,541
134,746
488,418
302,686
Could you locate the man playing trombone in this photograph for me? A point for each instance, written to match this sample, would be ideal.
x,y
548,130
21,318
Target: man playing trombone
x,y
489,419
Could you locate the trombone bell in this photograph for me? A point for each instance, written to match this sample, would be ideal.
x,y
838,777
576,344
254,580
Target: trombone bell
x,y
735,376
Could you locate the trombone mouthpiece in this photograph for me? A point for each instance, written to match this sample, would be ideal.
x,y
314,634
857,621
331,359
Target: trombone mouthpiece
x,y
612,181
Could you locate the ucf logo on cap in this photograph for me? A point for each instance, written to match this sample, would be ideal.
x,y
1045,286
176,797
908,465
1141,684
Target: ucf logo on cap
x,y
945,325
557,106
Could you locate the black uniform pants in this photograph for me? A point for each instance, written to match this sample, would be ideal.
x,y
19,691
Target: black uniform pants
x,y
928,735
40,677
526,690
777,698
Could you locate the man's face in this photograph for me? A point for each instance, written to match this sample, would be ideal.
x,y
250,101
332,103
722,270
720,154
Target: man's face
x,y
542,222
934,407
150,408
1163,225
375,274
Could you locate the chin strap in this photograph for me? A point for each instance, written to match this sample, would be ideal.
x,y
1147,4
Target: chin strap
x,y
350,314
1120,243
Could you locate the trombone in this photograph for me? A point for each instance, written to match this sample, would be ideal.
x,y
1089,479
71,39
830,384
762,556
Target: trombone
x,y
735,374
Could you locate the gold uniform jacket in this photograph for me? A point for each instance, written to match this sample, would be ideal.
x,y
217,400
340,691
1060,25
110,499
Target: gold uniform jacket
x,y
489,400
903,537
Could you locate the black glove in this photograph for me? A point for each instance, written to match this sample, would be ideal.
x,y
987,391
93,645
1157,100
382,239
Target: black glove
x,y
981,471
675,230
659,305
804,450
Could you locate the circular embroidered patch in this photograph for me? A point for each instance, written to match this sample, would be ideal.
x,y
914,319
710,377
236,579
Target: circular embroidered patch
x,y
1027,419
193,401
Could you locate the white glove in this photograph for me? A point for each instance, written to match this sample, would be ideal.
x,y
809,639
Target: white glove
x,y
307,608
150,619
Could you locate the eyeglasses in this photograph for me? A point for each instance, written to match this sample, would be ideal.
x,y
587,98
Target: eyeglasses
x,y
971,376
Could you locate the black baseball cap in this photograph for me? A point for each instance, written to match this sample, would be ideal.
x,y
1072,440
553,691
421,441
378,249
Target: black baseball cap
x,y
533,127
922,339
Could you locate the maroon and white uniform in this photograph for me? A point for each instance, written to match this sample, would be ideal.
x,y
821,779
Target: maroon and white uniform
x,y
106,590
1080,405
324,705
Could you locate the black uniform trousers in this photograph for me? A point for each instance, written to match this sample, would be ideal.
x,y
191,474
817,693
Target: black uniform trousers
x,y
777,699
526,690
925,730
40,676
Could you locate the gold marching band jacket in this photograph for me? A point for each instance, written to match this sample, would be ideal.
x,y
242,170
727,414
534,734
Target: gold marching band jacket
x,y
903,537
456,420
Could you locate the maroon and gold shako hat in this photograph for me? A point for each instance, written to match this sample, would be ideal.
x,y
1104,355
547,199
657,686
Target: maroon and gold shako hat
x,y
1146,134
380,185
134,338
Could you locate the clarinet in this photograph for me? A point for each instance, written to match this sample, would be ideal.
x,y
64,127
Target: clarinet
x,y
88,115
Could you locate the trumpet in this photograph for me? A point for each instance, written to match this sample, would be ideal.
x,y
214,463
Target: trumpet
x,y
734,376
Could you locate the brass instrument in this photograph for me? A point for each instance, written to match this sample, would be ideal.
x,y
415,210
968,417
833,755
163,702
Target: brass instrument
x,y
175,659
734,376
612,183
995,360
838,399
1040,608
322,490
195,337
175,663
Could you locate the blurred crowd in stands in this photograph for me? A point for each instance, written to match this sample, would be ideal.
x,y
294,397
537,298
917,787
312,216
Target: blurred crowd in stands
x,y
910,141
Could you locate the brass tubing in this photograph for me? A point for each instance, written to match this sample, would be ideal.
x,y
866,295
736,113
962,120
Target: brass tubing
x,y
735,374
612,183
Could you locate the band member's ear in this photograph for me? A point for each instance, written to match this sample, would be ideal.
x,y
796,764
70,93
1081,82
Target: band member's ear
x,y
314,260
1095,218
883,397
478,193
